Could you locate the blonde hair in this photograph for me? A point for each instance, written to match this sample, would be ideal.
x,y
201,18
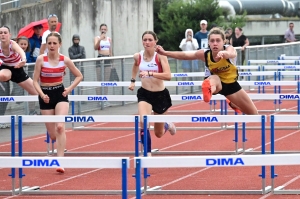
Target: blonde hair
x,y
217,31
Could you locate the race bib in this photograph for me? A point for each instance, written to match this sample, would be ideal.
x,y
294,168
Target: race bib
x,y
36,52
204,43
207,72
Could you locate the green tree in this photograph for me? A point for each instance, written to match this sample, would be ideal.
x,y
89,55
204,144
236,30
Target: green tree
x,y
178,15
173,17
236,21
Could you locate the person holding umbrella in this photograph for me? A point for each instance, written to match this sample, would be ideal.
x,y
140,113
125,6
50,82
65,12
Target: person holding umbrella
x,y
35,43
12,60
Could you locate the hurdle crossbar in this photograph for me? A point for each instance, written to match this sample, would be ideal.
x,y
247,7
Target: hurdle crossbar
x,y
288,67
71,162
74,118
272,62
211,161
202,74
201,119
280,119
195,97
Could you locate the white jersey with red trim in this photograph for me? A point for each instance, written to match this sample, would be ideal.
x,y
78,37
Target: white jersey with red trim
x,y
51,74
151,66
104,44
12,59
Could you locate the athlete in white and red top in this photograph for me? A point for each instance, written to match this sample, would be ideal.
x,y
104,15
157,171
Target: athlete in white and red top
x,y
53,97
103,44
12,60
153,69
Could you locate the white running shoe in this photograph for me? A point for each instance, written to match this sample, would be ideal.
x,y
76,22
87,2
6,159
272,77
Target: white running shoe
x,y
171,128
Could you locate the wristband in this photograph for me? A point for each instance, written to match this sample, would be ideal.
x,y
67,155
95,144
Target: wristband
x,y
132,80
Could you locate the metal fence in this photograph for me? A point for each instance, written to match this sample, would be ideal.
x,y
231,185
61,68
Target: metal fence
x,y
119,69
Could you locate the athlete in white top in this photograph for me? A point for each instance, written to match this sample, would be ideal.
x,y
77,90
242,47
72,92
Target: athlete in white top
x,y
12,60
103,45
153,69
52,23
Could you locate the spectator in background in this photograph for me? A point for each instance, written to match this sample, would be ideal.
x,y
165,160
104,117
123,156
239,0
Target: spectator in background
x,y
52,23
18,91
289,35
213,26
201,35
230,33
35,44
103,44
76,52
227,37
189,44
238,39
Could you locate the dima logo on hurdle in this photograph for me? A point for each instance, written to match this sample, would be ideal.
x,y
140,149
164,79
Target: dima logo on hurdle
x,y
185,83
191,97
79,119
180,75
224,161
109,84
262,83
7,99
289,96
204,119
97,98
40,163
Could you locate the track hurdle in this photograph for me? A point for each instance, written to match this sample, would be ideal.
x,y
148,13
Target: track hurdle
x,y
11,120
71,162
72,118
286,119
211,161
198,119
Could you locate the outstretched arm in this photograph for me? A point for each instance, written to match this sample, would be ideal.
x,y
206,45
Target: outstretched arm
x,y
182,55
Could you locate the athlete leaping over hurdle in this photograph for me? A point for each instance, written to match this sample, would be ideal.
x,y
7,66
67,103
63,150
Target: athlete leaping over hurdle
x,y
153,70
221,73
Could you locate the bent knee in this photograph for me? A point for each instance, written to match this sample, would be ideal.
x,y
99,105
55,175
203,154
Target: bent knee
x,y
158,134
4,77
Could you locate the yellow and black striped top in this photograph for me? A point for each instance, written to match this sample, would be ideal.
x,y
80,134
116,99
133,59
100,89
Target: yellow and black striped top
x,y
225,69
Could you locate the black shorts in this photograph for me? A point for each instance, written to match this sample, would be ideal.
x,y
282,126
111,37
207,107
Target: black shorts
x,y
55,95
228,89
160,100
18,75
107,63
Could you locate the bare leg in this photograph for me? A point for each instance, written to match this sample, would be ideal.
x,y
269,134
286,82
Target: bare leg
x,y
241,100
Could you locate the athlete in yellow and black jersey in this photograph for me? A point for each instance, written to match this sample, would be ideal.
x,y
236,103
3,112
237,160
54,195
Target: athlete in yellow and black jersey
x,y
225,70
221,72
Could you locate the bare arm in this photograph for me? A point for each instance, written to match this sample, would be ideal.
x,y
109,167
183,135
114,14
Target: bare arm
x,y
166,74
228,53
20,51
182,55
42,49
36,76
247,43
135,70
74,70
110,49
96,43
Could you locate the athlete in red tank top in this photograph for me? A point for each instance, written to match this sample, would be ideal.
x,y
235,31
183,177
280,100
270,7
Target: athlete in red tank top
x,y
53,96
